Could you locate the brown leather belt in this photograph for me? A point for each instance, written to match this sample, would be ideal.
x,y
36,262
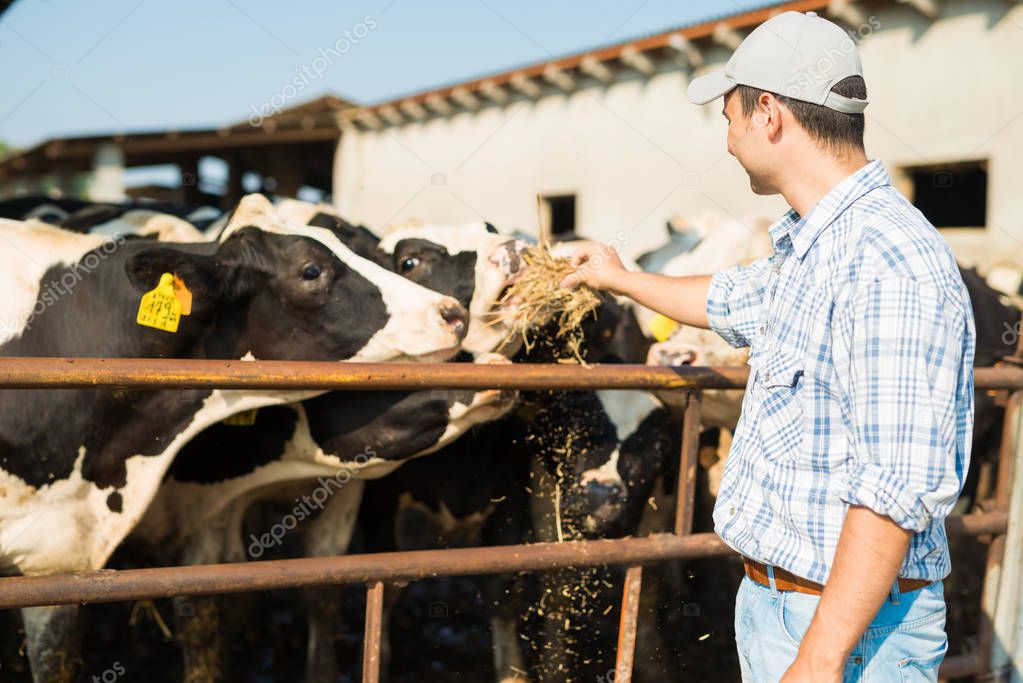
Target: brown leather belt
x,y
787,581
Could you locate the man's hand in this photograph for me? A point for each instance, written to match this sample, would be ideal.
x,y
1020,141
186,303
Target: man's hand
x,y
680,298
803,671
870,551
598,266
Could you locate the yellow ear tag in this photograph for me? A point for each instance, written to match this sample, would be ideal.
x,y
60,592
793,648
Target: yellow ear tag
x,y
159,307
662,327
183,295
246,418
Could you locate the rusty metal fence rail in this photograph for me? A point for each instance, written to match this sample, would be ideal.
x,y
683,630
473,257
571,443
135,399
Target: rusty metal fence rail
x,y
377,569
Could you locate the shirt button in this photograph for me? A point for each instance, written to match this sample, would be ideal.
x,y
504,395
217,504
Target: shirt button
x,y
731,511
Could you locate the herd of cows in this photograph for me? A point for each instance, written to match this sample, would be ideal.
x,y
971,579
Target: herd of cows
x,y
208,476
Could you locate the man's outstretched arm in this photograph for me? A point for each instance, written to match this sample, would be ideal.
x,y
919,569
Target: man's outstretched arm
x,y
683,299
727,302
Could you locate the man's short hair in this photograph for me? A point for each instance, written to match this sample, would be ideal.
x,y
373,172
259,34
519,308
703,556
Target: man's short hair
x,y
834,129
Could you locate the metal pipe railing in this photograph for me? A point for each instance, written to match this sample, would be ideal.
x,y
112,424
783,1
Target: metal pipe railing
x,y
161,373
376,570
108,585
164,373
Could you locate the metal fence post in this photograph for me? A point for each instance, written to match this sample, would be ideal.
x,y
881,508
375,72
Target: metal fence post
x,y
371,635
996,548
689,461
628,624
1005,615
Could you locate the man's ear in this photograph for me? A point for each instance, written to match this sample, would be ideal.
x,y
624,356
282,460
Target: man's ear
x,y
195,270
243,262
768,114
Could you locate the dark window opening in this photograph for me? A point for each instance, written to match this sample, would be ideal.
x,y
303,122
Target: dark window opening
x,y
951,196
561,213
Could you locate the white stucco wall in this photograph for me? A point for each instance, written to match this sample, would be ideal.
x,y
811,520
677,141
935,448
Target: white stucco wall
x,y
637,151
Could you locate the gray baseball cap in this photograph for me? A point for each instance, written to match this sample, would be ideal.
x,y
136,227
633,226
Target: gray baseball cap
x,y
801,56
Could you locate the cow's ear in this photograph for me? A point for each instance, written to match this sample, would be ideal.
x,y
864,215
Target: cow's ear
x,y
195,270
243,262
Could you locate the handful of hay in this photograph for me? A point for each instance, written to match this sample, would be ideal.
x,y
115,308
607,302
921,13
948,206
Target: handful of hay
x,y
543,302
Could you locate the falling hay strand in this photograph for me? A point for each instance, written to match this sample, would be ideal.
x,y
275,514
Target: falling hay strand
x,y
542,300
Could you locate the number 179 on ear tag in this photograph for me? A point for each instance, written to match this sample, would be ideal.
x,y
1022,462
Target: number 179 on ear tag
x,y
159,307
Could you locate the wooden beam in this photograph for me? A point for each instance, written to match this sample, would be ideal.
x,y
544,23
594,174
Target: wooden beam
x,y
637,60
347,127
845,11
493,92
682,45
726,36
391,114
591,66
203,142
369,119
465,98
439,104
413,109
555,76
525,85
928,8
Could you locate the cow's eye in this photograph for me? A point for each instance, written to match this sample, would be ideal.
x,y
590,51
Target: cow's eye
x,y
409,263
311,272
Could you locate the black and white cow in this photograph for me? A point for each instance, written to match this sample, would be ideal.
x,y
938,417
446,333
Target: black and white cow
x,y
109,218
561,466
358,238
196,516
682,238
49,209
79,467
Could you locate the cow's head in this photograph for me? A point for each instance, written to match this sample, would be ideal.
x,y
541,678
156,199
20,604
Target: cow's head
x,y
471,262
358,238
697,347
278,290
605,451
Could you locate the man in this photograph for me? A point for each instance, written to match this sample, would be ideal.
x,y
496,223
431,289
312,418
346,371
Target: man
x,y
856,423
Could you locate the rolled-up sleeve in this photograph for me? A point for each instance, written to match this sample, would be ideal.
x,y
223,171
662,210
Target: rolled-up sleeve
x,y
733,301
902,370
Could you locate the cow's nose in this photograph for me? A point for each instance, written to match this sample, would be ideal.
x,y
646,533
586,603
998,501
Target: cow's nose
x,y
454,317
600,494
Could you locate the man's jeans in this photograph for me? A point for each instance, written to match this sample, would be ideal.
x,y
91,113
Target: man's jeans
x,y
905,642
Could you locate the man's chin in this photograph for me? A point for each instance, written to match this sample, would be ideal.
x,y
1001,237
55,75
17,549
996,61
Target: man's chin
x,y
760,188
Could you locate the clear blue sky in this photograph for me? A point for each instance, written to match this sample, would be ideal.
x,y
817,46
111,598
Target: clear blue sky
x,y
114,65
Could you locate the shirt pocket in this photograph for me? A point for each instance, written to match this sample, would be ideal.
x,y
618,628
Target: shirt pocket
x,y
781,420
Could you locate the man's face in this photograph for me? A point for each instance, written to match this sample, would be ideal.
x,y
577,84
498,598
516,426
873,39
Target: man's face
x,y
748,143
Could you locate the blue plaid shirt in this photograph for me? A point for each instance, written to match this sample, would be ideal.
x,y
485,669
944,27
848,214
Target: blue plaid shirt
x,y
861,344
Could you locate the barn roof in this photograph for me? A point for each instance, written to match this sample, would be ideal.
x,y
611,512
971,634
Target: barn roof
x,y
308,122
644,55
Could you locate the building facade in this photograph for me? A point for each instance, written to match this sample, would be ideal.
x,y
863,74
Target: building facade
x,y
606,144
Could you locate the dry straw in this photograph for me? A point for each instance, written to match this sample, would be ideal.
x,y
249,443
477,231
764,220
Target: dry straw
x,y
543,302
